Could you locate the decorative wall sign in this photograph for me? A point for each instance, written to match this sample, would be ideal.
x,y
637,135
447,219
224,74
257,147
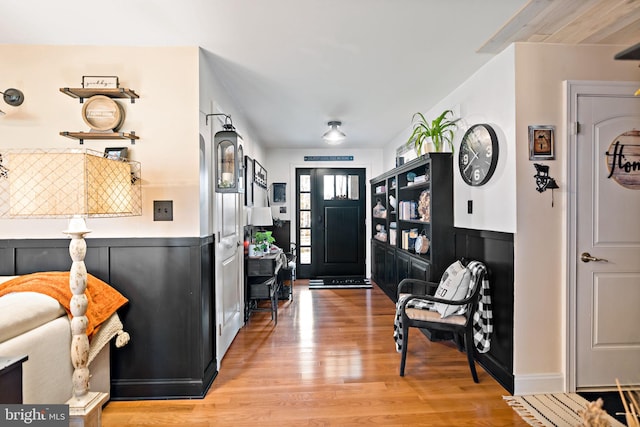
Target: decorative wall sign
x,y
328,158
259,174
623,159
541,143
99,82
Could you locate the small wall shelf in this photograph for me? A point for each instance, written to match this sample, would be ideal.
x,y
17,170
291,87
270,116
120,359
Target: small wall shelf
x,y
81,136
117,92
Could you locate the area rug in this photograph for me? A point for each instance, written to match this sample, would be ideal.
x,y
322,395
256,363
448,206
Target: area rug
x,y
340,283
554,410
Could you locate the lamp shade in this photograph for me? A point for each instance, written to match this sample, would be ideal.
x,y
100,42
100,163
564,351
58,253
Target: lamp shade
x,y
334,135
261,216
63,183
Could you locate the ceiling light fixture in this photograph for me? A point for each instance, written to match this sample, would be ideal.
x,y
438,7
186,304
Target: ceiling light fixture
x,y
334,135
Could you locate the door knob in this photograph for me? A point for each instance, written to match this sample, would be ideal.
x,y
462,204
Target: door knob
x,y
586,257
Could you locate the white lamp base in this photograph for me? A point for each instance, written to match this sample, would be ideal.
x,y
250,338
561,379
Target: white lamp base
x,y
86,411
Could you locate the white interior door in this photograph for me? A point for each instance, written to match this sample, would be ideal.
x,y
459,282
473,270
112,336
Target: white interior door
x,y
229,283
608,230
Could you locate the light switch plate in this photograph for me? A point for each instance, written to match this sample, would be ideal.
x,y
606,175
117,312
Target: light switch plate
x,y
163,210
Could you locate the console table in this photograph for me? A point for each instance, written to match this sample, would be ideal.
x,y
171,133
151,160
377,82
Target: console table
x,y
262,283
11,379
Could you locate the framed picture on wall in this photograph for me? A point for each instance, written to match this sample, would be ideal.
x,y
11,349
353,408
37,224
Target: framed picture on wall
x,y
116,153
541,143
248,181
259,175
279,192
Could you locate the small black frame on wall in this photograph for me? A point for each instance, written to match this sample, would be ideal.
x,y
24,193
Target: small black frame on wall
x,y
279,192
248,178
116,153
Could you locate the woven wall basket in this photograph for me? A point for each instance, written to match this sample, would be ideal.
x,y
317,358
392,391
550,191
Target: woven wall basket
x,y
102,113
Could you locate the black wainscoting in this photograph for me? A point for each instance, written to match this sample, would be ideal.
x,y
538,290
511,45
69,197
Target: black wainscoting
x,y
496,251
171,312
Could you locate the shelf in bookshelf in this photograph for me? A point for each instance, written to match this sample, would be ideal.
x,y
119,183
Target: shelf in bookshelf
x,y
415,221
415,186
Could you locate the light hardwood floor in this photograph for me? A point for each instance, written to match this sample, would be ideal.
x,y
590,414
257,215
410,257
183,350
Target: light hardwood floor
x,y
331,361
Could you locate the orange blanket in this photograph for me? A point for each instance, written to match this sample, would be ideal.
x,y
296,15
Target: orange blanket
x,y
103,299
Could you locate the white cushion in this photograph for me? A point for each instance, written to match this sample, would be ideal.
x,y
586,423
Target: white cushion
x,y
23,311
454,285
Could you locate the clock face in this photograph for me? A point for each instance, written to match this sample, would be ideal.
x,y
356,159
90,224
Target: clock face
x,y
478,154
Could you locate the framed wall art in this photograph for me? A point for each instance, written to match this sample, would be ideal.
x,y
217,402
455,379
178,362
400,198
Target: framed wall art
x,y
541,143
116,153
100,82
259,175
248,181
279,192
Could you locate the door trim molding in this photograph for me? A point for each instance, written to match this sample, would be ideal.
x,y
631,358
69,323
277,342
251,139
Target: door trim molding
x,y
573,89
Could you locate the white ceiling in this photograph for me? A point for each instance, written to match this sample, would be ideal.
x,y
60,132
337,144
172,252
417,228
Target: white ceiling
x,y
293,65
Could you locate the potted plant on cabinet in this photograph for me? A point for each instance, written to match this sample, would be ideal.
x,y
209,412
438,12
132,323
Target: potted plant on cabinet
x,y
262,241
439,131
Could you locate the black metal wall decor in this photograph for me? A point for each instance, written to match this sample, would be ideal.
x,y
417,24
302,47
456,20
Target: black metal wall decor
x,y
543,181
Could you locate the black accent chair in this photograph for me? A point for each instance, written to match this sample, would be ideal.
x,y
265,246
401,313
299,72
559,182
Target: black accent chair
x,y
288,273
460,325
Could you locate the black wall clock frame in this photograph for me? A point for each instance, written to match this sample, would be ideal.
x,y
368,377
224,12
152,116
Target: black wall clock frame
x,y
478,154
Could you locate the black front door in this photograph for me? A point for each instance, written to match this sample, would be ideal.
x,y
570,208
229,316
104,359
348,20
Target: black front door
x,y
332,229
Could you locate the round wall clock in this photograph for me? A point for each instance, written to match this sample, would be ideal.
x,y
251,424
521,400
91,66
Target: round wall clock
x,y
478,154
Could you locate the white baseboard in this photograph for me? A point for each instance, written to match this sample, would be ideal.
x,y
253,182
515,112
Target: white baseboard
x,y
538,384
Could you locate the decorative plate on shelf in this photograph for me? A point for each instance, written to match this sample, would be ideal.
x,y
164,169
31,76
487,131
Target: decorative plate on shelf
x,y
424,206
102,113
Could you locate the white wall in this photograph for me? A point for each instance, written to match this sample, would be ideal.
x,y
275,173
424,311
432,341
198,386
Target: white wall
x,y
486,97
214,99
165,117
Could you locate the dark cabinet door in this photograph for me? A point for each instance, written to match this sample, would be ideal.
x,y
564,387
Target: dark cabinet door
x,y
390,269
378,259
418,269
403,260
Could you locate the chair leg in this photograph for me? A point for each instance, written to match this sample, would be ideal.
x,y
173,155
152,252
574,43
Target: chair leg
x,y
468,343
405,343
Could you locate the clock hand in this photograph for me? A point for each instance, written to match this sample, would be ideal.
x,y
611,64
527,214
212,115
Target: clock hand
x,y
475,155
468,166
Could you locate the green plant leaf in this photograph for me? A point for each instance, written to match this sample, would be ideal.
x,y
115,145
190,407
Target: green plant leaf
x,y
440,130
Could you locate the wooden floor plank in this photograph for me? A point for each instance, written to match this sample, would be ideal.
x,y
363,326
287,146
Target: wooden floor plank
x,y
331,361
